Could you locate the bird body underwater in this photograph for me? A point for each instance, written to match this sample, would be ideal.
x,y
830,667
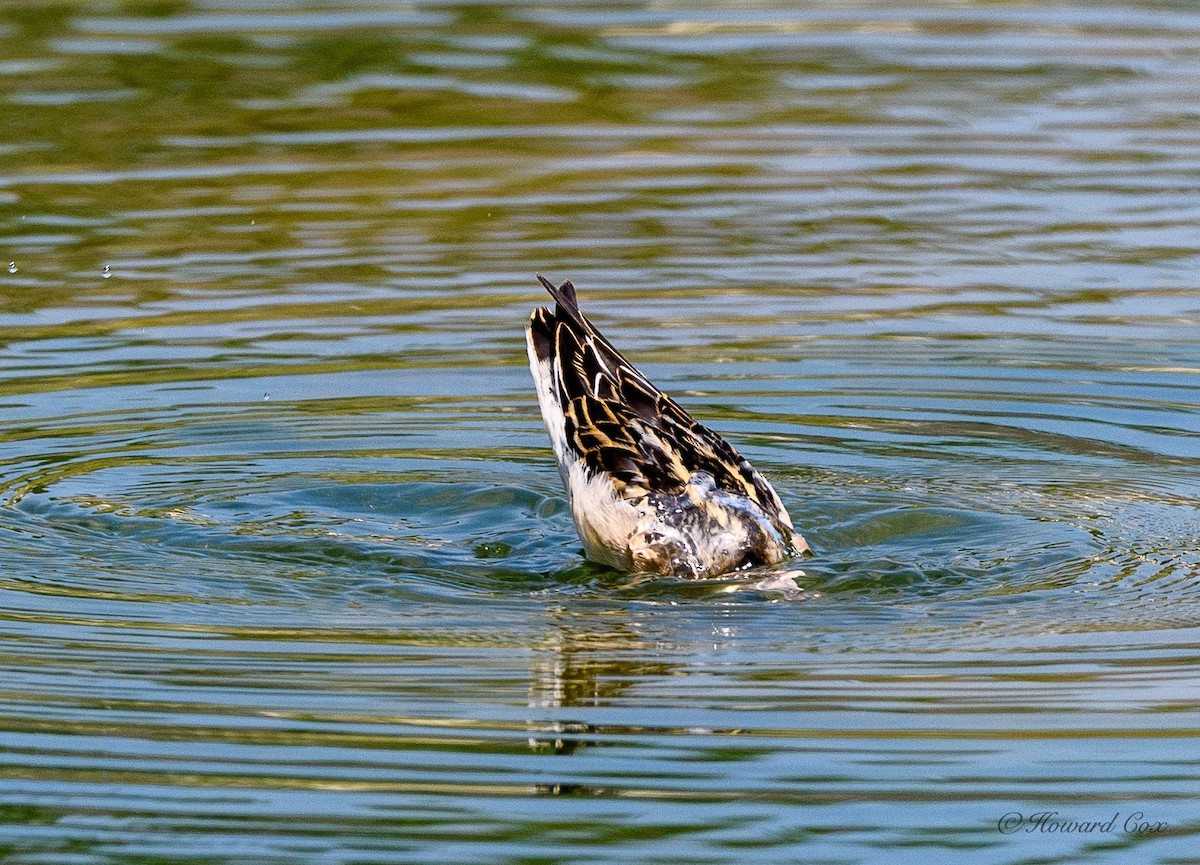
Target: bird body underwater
x,y
651,490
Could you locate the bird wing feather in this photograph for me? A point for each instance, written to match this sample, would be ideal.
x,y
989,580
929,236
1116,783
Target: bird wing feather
x,y
620,423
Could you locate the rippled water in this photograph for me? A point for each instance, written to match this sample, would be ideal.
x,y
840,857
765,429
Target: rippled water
x,y
286,573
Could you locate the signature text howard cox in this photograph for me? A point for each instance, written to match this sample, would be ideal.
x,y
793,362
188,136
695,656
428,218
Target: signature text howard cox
x,y
1048,822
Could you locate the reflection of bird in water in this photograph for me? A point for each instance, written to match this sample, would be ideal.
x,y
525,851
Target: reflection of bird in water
x,y
651,490
588,658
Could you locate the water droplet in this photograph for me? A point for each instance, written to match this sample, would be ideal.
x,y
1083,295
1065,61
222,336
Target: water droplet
x,y
106,272
12,266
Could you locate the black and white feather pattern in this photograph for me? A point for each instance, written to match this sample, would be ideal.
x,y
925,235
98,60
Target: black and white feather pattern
x,y
651,489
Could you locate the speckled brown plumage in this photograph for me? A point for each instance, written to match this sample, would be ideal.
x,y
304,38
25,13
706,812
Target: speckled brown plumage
x,y
672,479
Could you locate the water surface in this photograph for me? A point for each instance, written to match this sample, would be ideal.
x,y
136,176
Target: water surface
x,y
286,573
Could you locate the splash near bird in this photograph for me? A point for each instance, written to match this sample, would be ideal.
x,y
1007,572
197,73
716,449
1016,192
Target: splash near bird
x,y
651,489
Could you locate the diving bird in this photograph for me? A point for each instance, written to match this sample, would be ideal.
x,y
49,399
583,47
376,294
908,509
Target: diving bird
x,y
651,490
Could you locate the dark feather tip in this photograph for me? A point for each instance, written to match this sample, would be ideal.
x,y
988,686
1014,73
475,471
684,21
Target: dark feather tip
x,y
564,296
